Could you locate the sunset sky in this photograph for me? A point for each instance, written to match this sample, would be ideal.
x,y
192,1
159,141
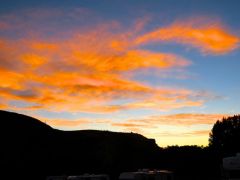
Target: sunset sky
x,y
167,69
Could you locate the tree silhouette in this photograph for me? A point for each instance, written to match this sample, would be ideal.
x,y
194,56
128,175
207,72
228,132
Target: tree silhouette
x,y
225,136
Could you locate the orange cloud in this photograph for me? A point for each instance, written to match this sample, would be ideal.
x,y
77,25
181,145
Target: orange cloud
x,y
174,120
168,99
3,106
208,37
132,125
65,75
11,79
65,123
181,129
43,46
130,60
84,72
197,133
33,60
182,119
164,105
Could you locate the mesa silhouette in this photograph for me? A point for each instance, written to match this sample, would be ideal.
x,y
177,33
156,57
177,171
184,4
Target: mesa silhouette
x,y
32,149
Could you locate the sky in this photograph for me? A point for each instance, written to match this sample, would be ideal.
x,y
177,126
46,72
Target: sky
x,y
166,69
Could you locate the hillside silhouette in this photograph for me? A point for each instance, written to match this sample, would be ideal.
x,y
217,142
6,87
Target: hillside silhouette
x,y
31,148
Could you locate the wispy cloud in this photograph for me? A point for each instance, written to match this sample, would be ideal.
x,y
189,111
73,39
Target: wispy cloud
x,y
84,70
208,36
187,119
190,133
66,123
132,125
150,124
179,129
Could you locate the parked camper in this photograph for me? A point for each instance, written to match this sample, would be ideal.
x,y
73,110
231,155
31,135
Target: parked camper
x,y
231,167
147,175
56,178
89,177
80,177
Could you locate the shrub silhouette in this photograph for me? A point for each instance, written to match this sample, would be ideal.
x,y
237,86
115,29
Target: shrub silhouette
x,y
225,136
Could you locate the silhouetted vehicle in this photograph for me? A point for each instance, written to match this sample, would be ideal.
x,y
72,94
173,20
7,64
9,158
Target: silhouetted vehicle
x,y
231,167
147,175
80,177
57,178
89,177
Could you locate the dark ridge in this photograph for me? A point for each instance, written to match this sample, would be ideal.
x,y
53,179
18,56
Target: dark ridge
x,y
31,148
21,122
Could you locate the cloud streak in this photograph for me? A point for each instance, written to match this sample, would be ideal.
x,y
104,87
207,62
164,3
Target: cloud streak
x,y
148,124
83,71
66,123
183,134
209,37
187,119
178,129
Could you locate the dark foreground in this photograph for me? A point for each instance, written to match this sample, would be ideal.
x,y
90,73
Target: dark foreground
x,y
31,150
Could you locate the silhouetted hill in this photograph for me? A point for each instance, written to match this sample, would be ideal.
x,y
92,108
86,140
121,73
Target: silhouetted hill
x,y
23,140
31,148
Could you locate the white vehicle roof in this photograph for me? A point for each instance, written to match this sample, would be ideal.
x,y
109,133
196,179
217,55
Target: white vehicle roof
x,y
232,163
